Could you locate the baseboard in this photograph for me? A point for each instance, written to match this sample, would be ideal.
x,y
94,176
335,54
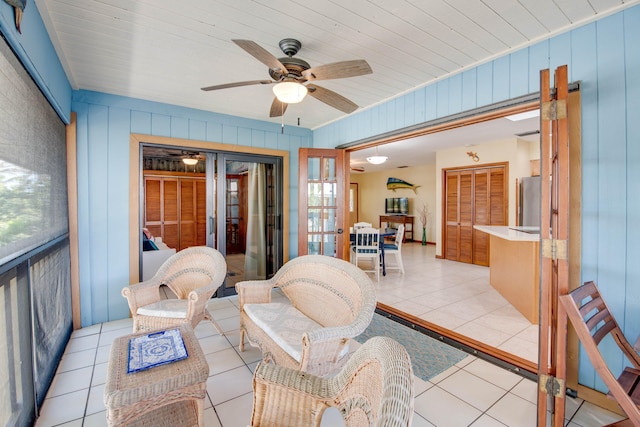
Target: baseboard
x,y
420,241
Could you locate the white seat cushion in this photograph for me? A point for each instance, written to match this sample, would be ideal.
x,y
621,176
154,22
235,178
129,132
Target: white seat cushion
x,y
284,324
174,308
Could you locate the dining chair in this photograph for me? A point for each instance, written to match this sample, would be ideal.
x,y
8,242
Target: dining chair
x,y
367,247
593,321
393,249
359,225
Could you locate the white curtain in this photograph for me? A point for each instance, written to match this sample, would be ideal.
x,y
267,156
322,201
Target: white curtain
x,y
255,259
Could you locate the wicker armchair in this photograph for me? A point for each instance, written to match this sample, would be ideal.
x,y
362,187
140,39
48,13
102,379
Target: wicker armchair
x,y
329,302
193,275
375,388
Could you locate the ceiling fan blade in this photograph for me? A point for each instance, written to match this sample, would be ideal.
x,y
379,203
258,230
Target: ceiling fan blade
x,y
338,70
331,98
277,108
236,84
261,54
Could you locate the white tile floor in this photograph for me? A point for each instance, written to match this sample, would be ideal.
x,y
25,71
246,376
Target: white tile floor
x,y
472,393
459,297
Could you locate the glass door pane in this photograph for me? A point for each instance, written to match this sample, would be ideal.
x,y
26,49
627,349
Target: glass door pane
x,y
322,206
250,229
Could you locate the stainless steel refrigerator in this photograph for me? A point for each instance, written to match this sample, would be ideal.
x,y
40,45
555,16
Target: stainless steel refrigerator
x,y
529,212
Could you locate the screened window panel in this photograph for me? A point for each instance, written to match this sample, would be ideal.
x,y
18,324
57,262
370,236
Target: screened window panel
x,y
33,172
34,271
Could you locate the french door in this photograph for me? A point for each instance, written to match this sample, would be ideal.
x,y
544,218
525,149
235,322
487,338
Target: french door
x,y
323,200
554,234
246,216
229,201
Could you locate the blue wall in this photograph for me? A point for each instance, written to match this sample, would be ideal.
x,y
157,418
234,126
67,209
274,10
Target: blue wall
x,y
601,55
104,123
35,50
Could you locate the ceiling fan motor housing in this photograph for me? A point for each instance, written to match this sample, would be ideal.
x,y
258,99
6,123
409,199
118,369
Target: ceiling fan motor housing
x,y
290,46
295,67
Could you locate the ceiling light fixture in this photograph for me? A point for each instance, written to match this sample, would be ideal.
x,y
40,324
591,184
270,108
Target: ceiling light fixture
x,y
290,92
191,161
523,116
377,160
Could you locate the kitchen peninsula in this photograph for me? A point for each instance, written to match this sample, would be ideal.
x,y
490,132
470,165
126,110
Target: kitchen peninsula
x,y
514,266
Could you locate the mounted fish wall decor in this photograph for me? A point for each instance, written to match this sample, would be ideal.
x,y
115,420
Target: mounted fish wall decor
x,y
395,183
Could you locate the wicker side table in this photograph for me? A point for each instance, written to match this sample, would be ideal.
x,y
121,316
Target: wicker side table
x,y
166,395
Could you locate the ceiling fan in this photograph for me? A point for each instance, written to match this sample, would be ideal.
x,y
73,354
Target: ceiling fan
x,y
187,157
294,77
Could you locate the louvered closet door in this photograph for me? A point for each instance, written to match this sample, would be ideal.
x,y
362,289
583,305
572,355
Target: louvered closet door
x,y
473,196
153,205
187,213
161,209
489,208
451,216
459,214
193,215
482,216
170,209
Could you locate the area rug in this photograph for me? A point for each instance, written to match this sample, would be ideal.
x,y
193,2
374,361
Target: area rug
x,y
429,356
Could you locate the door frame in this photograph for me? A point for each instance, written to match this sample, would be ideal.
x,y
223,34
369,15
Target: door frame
x,y
135,193
220,202
486,113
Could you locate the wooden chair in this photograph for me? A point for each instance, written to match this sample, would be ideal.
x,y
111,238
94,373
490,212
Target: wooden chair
x,y
193,275
394,249
375,388
593,321
367,247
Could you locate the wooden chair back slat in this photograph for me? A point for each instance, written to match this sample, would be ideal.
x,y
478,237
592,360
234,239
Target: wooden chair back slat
x,y
592,321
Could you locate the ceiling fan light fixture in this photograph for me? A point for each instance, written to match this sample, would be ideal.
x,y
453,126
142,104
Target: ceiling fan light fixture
x,y
377,159
290,92
191,161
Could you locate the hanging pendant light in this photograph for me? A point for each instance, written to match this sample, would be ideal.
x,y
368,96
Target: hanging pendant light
x,y
377,159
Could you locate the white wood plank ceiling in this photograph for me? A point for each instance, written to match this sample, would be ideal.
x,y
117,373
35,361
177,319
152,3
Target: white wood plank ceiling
x,y
165,51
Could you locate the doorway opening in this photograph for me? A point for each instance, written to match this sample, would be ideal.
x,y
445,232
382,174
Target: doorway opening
x,y
251,216
437,302
229,201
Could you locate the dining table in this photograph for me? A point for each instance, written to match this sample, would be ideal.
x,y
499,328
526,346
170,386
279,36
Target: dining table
x,y
383,234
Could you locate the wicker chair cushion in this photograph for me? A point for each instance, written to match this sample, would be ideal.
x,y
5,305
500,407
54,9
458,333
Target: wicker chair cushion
x,y
173,308
284,324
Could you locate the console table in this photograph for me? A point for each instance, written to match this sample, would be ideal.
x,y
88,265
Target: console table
x,y
399,219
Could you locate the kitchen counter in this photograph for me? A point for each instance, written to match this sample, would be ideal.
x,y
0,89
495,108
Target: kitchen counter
x,y
520,234
514,266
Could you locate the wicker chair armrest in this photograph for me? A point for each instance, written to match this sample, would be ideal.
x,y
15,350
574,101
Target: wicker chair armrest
x,y
305,395
351,330
141,294
254,292
198,299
